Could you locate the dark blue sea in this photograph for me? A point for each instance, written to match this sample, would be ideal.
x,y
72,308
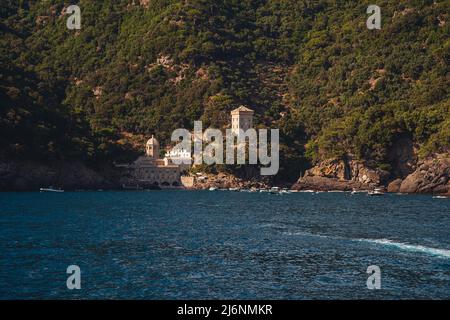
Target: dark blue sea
x,y
223,245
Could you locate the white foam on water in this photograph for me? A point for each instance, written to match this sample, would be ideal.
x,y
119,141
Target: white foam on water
x,y
385,242
410,247
307,234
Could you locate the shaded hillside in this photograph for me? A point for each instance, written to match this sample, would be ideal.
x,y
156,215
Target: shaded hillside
x,y
310,68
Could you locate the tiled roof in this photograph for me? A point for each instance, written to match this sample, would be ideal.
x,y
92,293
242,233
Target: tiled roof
x,y
242,109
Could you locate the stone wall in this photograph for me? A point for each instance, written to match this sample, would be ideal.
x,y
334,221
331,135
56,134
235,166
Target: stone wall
x,y
187,182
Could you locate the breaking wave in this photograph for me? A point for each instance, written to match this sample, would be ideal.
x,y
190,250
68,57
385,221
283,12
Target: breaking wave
x,y
385,242
410,247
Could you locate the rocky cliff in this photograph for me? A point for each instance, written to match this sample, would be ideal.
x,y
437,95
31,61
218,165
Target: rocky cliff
x,y
348,174
69,175
225,181
430,176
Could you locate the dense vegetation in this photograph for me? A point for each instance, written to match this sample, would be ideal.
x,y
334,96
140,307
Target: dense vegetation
x,y
310,68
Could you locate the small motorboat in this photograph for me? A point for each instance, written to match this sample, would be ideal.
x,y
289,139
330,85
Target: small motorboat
x,y
375,192
234,189
50,189
439,197
212,189
274,190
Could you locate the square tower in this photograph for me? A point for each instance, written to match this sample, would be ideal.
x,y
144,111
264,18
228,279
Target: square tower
x,y
152,148
241,118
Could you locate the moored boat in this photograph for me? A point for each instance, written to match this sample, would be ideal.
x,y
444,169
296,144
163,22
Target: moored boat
x,y
274,190
375,192
50,189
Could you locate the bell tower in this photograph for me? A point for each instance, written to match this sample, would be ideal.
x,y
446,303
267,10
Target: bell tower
x,y
241,118
152,148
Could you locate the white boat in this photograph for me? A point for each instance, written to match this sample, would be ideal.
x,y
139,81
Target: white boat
x,y
439,197
375,192
274,190
233,189
50,189
212,189
264,190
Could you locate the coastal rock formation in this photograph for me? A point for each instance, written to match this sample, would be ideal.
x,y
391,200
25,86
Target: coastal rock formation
x,y
225,181
334,174
394,186
30,176
328,184
402,156
431,176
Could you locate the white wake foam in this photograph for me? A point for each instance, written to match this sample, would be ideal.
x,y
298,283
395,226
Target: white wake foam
x,y
410,247
385,242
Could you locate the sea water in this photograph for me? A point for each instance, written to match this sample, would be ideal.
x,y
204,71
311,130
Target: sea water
x,y
223,245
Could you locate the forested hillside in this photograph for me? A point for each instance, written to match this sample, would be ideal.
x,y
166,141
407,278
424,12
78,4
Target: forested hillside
x,y
310,68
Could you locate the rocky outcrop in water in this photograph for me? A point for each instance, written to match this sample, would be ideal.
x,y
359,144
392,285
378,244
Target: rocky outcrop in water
x,y
225,181
334,174
431,176
394,186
